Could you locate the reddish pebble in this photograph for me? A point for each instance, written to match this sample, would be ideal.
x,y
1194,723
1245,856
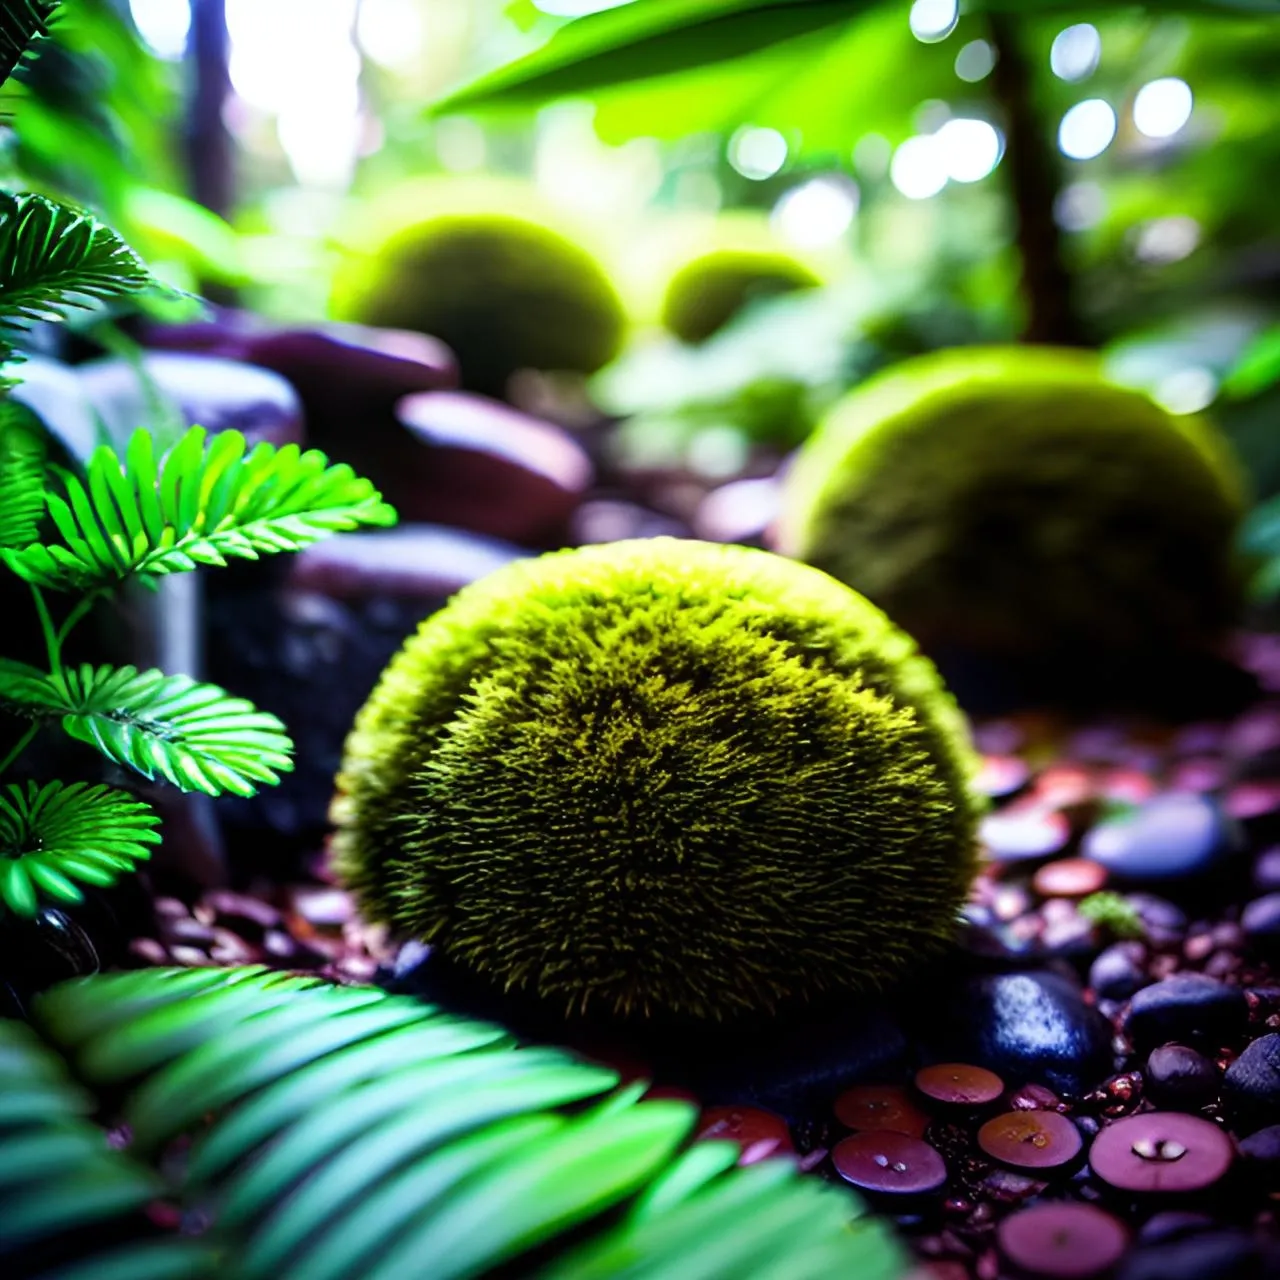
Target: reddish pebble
x,y
1130,786
1001,776
1034,1097
889,1162
1031,1139
1063,1241
1161,1151
1062,786
959,1084
1069,878
1253,799
759,1133
880,1108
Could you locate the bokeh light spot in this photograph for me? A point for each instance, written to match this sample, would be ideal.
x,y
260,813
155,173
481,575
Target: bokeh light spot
x,y
1087,130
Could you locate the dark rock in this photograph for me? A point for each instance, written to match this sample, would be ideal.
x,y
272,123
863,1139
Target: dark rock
x,y
220,395
1261,923
487,467
1266,870
1172,837
1180,1079
1028,1027
613,520
1174,1224
1216,1255
1190,1008
418,561
1163,922
1117,973
1261,1153
1251,1086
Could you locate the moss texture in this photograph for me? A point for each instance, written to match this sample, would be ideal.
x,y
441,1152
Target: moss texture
x,y
504,292
706,293
661,778
1011,501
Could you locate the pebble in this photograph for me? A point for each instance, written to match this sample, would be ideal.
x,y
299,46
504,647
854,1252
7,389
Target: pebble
x,y
1063,1241
1190,1008
1117,972
1163,922
1001,776
1025,834
758,1132
1260,921
1161,1151
889,1163
1173,836
1031,1139
1261,1151
1069,878
1251,1086
741,511
1216,1255
874,1108
958,1084
1180,1079
1028,1027
1266,870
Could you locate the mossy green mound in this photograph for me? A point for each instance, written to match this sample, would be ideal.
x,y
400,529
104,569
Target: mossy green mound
x,y
504,292
661,778
1011,501
706,293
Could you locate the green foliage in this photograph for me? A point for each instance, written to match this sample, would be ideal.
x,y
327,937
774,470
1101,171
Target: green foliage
x,y
654,38
1260,537
55,835
132,518
54,258
1010,501
705,294
341,1132
503,292
22,23
661,778
1114,914
22,474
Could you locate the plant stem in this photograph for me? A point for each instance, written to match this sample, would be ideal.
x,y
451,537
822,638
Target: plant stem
x,y
1032,167
19,747
75,616
52,640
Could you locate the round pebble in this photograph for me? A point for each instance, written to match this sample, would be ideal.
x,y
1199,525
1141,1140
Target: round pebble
x,y
889,1162
1180,1079
1062,1241
958,1084
1260,922
1251,1086
1257,798
759,1133
1031,1139
1174,835
880,1108
1069,878
1024,834
1266,870
1001,776
1161,1151
1188,1007
1117,972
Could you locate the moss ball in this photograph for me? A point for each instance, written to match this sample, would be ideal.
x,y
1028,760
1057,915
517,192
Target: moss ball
x,y
1012,501
661,778
504,292
706,293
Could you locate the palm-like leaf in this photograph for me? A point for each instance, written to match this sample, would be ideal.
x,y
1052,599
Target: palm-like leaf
x,y
193,735
54,258
56,837
22,474
22,24
133,517
342,1133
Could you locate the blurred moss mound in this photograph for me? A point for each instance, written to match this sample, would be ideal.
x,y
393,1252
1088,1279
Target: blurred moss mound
x,y
1010,501
505,292
707,292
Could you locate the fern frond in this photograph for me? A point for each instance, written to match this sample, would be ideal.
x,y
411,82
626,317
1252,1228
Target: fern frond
x,y
348,1134
202,506
22,24
23,450
56,837
54,258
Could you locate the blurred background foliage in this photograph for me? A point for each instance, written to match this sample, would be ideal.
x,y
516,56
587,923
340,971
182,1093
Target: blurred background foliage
x,y
933,173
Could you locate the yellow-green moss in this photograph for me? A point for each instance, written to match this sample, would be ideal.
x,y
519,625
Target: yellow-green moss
x,y
504,292
706,293
661,778
1010,500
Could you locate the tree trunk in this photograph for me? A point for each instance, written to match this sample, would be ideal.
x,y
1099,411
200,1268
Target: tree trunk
x,y
209,150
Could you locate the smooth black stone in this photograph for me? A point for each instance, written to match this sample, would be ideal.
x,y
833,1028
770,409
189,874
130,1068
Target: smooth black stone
x,y
1190,1008
1164,922
1029,1028
1217,1255
1171,837
1261,1151
1180,1079
1251,1086
1261,923
1117,973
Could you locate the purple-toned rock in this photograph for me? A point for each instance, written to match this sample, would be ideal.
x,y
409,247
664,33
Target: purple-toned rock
x,y
218,394
613,520
490,468
741,511
1117,972
1260,921
1251,1086
1174,836
1189,1007
414,561
56,395
1178,1078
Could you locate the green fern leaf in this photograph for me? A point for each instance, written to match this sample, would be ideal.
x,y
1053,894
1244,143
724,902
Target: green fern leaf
x,y
22,471
22,24
202,506
54,258
56,837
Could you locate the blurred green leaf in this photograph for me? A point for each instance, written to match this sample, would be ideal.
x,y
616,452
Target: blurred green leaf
x,y
1259,367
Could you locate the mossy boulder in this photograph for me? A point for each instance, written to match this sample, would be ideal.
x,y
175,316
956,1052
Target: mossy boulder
x,y
710,290
1011,501
661,779
504,292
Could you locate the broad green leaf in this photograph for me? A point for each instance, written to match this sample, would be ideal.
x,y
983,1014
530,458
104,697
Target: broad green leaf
x,y
1259,367
23,451
56,837
22,24
137,517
